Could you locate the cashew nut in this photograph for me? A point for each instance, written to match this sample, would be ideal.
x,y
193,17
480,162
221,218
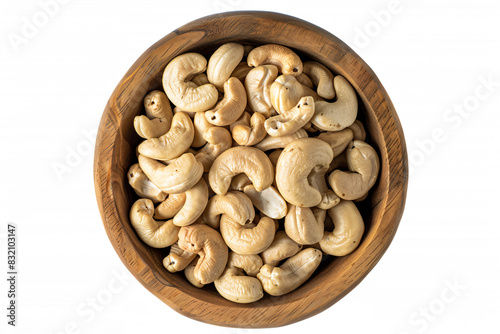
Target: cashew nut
x,y
258,86
209,245
196,200
241,159
348,230
248,238
271,143
338,115
239,182
286,92
337,140
157,234
295,163
178,259
150,128
218,140
281,248
282,57
241,71
364,166
182,174
157,105
234,286
185,94
143,186
317,179
269,201
358,130
235,204
274,156
278,281
321,77
230,108
305,226
172,144
222,63
292,120
200,79
201,125
248,131
304,80
189,273
189,113
171,206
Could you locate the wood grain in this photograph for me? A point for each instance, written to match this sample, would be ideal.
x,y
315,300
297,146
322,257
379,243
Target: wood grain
x,y
116,142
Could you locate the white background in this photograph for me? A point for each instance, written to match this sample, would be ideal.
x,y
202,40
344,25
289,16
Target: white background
x,y
433,57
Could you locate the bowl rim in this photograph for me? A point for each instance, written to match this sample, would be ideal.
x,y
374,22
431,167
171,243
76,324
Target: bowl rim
x,y
393,186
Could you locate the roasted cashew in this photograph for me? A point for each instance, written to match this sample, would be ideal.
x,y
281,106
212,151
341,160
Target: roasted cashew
x,y
143,186
348,230
281,248
280,56
291,120
172,144
286,93
305,226
185,94
337,140
209,245
222,63
178,259
363,165
271,143
247,239
157,234
278,281
230,108
295,163
258,86
182,174
235,204
338,115
170,206
241,159
218,140
248,131
268,201
196,200
321,77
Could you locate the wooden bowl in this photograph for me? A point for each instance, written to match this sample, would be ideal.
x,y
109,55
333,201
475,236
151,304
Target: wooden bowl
x,y
115,152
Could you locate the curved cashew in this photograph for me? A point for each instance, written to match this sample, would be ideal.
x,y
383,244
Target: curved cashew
x,y
321,77
157,234
278,281
241,159
239,182
230,108
182,174
201,126
258,86
172,144
281,248
338,115
209,245
241,71
222,63
348,230
274,156
292,120
339,162
235,204
282,57
143,186
269,201
316,179
249,263
200,79
247,239
184,94
364,166
196,200
191,114
248,131
295,163
178,259
286,92
189,273
305,226
238,288
271,143
157,105
358,130
150,128
218,140
305,80
171,206
337,140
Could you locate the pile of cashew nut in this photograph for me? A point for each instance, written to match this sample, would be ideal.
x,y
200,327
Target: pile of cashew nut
x,y
251,178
